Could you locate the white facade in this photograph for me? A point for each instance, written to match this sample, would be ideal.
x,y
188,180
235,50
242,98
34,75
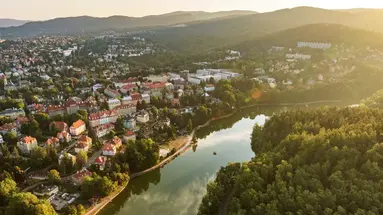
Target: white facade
x,y
27,144
1,139
112,103
143,117
146,98
314,45
298,56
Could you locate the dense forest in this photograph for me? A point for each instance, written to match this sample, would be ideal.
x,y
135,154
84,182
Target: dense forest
x,y
322,161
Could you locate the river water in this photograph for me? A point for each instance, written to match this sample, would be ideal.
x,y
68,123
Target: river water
x,y
178,188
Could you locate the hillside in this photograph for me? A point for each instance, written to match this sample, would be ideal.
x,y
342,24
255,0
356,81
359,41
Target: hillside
x,y
87,24
239,29
322,161
11,22
330,33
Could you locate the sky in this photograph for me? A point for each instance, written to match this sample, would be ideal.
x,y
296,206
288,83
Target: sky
x,y
48,9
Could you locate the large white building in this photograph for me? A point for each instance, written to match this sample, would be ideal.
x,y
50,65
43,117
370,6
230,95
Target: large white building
x,y
206,74
314,45
298,56
112,103
26,144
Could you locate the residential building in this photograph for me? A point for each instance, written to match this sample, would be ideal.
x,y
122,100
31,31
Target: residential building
x,y
314,45
112,93
103,130
298,56
100,162
143,116
46,190
12,113
26,144
112,103
129,122
109,149
77,127
146,98
10,127
124,110
60,126
129,135
128,88
209,88
61,157
71,106
64,137
79,176
103,117
83,144
116,141
53,141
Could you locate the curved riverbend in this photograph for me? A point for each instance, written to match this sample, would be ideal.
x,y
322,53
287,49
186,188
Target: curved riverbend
x,y
179,187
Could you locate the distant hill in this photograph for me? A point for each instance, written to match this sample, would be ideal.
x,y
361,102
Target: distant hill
x,y
234,30
11,22
75,25
329,33
360,10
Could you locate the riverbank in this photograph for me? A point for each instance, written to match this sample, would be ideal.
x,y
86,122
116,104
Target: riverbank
x,y
97,208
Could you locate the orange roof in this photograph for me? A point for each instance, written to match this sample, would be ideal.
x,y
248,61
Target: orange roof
x,y
85,139
29,140
63,134
61,126
52,140
80,175
109,147
78,123
82,145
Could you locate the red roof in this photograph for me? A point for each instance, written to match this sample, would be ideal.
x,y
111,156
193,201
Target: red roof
x,y
109,147
129,86
85,139
29,140
154,85
80,175
102,114
101,160
61,126
52,108
52,140
135,96
129,133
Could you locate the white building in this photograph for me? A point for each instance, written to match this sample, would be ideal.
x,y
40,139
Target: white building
x,y
146,98
112,103
109,149
77,127
26,144
1,139
143,116
298,56
207,74
314,45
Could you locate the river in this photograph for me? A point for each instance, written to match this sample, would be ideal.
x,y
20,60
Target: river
x,y
178,188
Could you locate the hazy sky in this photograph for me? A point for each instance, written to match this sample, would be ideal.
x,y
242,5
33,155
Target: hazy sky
x,y
47,9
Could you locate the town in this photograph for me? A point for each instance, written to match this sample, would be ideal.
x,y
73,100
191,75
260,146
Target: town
x,y
78,117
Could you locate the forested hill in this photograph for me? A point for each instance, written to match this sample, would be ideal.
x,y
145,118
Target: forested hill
x,y
323,161
330,33
215,33
87,24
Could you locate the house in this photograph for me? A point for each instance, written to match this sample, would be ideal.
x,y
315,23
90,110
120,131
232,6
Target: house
x,y
26,144
83,144
10,127
209,88
112,103
12,113
77,127
46,190
64,137
102,117
128,88
100,162
60,126
116,141
109,149
175,102
112,93
129,135
61,157
53,141
129,122
79,176
103,130
143,116
146,98
124,110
